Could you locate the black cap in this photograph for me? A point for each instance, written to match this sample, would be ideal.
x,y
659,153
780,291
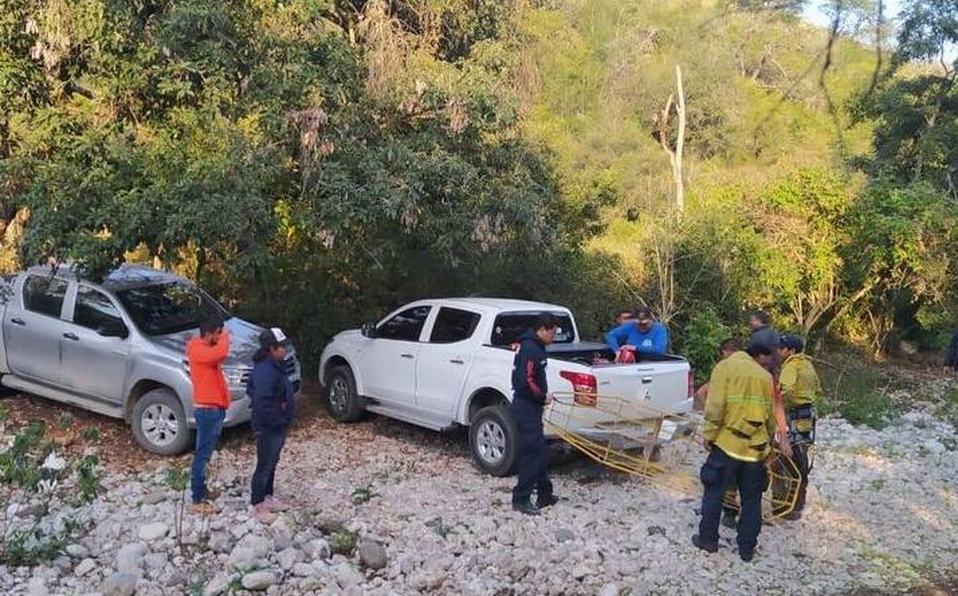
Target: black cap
x,y
792,342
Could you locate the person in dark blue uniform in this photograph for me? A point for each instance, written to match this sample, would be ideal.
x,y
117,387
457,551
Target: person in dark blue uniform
x,y
530,395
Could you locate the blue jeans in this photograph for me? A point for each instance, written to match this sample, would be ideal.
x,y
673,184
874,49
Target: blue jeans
x,y
269,445
209,425
717,472
532,452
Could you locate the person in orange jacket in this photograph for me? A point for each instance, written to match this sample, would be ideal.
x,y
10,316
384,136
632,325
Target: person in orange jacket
x,y
211,398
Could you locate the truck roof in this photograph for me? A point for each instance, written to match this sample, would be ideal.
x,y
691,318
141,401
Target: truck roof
x,y
503,304
122,278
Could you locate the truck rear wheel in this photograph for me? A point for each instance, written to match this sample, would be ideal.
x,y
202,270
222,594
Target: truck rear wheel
x,y
492,440
342,401
159,423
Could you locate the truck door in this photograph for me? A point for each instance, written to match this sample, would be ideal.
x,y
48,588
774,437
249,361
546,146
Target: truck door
x,y
389,359
444,360
32,329
96,347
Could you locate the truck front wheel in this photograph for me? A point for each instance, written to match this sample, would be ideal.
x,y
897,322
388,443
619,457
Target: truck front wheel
x,y
159,423
342,401
492,440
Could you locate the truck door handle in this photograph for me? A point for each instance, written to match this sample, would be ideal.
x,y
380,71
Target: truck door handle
x,y
457,361
18,322
71,336
406,356
646,380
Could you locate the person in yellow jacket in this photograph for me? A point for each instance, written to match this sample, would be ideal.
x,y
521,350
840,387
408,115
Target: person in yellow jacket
x,y
801,388
739,430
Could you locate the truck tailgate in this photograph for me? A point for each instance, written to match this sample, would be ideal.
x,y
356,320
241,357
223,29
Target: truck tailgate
x,y
664,385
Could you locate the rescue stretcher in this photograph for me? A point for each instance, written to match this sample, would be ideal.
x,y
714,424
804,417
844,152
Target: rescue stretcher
x,y
661,447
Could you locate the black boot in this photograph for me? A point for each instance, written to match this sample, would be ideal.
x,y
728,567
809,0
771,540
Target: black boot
x,y
706,546
526,507
549,501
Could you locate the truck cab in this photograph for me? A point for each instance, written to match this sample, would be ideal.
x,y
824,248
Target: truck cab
x,y
116,347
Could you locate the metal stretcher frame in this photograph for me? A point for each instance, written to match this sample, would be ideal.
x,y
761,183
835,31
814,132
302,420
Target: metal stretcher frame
x,y
631,437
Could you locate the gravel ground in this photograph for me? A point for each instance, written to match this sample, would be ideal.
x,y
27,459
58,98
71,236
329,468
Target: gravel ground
x,y
882,516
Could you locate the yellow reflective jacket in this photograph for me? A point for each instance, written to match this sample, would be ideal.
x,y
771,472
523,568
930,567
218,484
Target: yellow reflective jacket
x,y
799,381
738,413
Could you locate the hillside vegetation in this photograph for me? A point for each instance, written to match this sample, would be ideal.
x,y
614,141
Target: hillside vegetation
x,y
316,162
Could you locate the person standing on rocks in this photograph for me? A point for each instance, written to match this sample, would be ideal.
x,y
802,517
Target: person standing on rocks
x,y
211,398
530,394
739,427
274,404
800,388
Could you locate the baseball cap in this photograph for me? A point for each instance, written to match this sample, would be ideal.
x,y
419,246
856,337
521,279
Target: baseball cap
x,y
272,337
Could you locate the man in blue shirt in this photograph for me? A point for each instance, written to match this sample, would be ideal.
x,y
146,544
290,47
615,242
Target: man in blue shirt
x,y
644,334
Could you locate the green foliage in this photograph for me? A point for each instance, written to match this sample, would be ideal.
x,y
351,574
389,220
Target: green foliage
x,y
20,463
178,479
362,495
27,547
65,421
91,435
88,477
702,336
343,542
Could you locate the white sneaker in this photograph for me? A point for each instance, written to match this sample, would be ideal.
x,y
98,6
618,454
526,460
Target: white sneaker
x,y
262,513
275,504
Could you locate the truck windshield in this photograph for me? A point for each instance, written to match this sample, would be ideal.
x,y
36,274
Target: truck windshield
x,y
161,309
509,326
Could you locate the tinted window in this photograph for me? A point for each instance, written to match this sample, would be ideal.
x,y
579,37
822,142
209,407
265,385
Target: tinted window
x,y
508,327
407,325
44,294
160,309
453,325
94,309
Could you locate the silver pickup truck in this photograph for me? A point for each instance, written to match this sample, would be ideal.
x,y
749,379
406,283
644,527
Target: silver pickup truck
x,y
117,347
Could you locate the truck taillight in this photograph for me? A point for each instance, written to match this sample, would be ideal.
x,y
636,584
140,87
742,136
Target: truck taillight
x,y
584,387
691,384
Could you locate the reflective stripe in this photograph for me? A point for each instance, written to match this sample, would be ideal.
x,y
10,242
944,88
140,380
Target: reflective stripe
x,y
745,399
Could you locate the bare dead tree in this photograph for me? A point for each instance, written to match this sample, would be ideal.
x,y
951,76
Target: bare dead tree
x,y
675,155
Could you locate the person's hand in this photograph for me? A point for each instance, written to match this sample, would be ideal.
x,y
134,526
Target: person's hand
x,y
785,447
707,444
548,399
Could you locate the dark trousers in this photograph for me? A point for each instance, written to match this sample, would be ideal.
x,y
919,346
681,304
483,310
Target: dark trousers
x,y
717,472
269,444
533,452
800,457
209,426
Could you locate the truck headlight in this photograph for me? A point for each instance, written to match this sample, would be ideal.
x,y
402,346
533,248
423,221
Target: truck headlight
x,y
236,376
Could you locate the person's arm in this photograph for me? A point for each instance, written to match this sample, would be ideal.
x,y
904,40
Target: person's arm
x,y
660,339
527,365
777,411
203,353
617,336
715,404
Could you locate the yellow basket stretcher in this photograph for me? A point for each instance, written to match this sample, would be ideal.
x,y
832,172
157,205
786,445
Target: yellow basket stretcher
x,y
660,446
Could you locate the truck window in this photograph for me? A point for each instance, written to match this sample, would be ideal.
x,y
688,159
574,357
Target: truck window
x,y
406,326
94,309
44,295
510,326
453,325
164,308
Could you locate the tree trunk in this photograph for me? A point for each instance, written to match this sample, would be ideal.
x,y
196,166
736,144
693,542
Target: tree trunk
x,y
679,144
675,155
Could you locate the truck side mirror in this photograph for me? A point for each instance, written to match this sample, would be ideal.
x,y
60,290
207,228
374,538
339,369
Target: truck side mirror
x,y
368,330
114,329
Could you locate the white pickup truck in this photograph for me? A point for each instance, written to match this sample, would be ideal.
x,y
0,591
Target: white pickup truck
x,y
447,362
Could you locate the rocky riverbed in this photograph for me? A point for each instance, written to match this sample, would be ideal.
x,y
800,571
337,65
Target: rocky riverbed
x,y
384,508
